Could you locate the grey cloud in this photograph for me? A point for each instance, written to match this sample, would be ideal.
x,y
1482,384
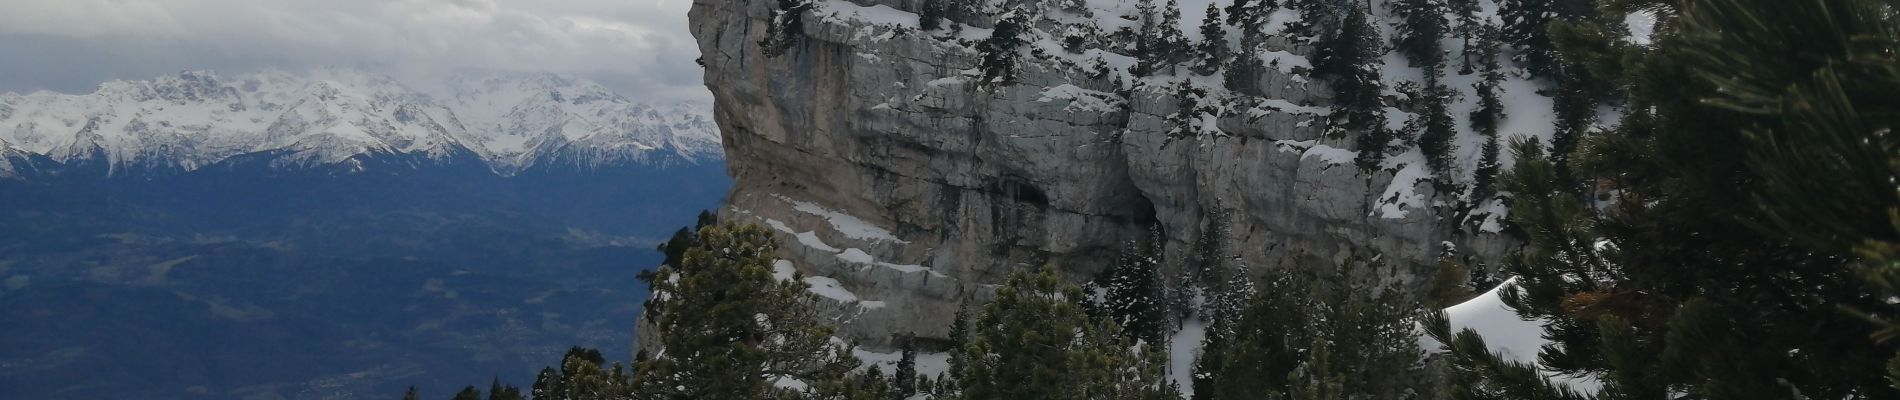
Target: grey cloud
x,y
637,46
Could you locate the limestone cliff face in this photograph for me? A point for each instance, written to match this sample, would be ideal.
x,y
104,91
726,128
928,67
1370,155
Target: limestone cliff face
x,y
895,180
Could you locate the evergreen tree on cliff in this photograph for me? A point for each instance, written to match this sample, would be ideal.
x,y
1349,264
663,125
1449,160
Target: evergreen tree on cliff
x,y
931,16
1148,53
729,329
1211,53
1002,49
1755,176
1350,58
1174,43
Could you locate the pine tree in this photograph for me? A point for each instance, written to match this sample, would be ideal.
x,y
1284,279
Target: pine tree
x,y
1437,129
497,391
1293,339
1134,294
1249,14
1148,52
1448,279
1242,74
1032,342
468,393
411,394
546,385
905,377
1467,27
1351,58
931,16
1001,50
1720,269
1490,109
1211,53
1484,178
1527,26
1185,121
730,329
1174,46
1526,23
1421,24
959,338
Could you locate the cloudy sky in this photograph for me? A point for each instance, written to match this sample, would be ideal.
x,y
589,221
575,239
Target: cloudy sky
x,y
639,47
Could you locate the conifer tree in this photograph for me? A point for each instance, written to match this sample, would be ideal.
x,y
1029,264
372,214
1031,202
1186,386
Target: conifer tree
x,y
1436,129
1526,27
1148,52
1001,50
730,329
1466,27
1484,178
1134,295
1174,46
1249,14
1033,342
1351,59
1211,53
1185,121
931,16
467,393
1719,270
1490,109
1295,341
905,377
546,385
411,394
1242,74
497,391
1421,24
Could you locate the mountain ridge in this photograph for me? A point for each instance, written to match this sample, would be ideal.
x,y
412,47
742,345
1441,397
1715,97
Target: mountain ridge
x,y
509,122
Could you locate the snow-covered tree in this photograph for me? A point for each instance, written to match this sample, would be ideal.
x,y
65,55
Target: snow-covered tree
x,y
1002,49
1174,45
1351,60
1134,298
1191,105
1466,25
1211,53
931,16
1435,128
1148,52
1421,24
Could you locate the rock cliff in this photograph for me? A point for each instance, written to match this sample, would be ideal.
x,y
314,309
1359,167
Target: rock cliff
x,y
900,186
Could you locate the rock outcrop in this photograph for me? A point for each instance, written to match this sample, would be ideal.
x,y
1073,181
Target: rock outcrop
x,y
867,145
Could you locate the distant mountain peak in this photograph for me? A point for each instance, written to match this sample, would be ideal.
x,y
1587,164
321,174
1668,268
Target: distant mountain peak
x,y
509,121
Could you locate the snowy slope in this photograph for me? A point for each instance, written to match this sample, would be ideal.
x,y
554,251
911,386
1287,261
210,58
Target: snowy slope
x,y
192,119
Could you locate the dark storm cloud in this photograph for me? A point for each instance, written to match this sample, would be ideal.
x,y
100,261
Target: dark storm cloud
x,y
637,46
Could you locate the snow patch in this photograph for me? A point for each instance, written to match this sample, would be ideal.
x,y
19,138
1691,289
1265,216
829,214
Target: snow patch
x,y
1402,195
1506,334
845,224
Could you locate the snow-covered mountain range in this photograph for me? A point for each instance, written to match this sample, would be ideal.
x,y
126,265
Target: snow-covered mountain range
x,y
340,117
